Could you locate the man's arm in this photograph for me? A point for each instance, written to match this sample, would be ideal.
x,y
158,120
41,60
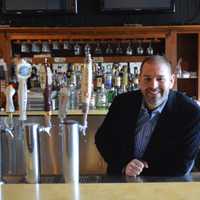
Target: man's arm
x,y
108,139
187,148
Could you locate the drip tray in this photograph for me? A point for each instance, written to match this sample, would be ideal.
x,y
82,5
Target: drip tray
x,y
53,179
106,179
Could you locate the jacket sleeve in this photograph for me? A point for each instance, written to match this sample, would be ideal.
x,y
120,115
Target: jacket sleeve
x,y
187,136
107,138
190,147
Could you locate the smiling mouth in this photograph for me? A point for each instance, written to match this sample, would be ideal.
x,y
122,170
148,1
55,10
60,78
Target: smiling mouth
x,y
153,92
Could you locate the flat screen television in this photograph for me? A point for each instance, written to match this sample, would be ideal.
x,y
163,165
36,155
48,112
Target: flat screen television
x,y
138,5
39,6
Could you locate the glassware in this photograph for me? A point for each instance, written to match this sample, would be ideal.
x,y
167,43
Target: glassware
x,y
140,50
36,47
98,50
87,49
66,45
45,47
25,47
129,50
55,45
178,69
119,50
150,50
109,50
77,49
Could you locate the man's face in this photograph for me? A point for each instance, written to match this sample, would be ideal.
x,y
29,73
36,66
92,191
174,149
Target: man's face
x,y
155,81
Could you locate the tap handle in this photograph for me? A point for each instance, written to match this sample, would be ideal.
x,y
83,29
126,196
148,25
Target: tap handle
x,y
63,102
86,87
48,86
10,91
23,73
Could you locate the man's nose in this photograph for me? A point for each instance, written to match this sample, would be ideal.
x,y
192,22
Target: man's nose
x,y
154,83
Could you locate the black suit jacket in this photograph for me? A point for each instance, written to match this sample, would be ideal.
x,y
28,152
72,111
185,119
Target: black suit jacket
x,y
173,145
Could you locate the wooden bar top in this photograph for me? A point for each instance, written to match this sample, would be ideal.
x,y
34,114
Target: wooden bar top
x,y
103,191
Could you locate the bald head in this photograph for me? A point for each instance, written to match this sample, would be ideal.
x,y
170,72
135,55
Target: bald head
x,y
155,60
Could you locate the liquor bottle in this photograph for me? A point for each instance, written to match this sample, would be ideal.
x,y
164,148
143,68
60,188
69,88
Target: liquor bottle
x,y
117,82
93,100
101,98
125,76
78,76
108,78
111,95
69,73
73,80
72,97
136,78
34,79
98,80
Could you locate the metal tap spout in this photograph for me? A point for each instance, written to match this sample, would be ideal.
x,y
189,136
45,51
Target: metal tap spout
x,y
47,124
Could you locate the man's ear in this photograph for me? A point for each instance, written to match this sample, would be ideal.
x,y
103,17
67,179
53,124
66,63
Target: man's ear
x,y
172,80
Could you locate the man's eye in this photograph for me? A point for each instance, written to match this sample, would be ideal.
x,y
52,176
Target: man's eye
x,y
147,79
160,79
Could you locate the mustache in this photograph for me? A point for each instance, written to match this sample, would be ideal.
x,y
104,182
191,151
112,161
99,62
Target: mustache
x,y
153,90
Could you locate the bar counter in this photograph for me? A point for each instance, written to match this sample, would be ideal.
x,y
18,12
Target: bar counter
x,y
122,188
120,191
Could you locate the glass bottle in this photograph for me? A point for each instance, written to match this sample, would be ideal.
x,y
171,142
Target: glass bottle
x,y
101,98
72,97
111,95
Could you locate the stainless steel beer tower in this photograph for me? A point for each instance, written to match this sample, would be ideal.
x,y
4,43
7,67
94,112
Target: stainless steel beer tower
x,y
1,173
70,151
31,152
7,124
31,131
70,129
6,130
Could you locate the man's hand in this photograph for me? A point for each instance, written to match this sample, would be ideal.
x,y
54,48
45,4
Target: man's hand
x,y
135,167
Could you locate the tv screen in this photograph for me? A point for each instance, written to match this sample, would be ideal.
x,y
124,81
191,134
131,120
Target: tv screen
x,y
138,5
39,6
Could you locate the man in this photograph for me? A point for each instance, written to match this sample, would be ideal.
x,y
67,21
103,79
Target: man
x,y
153,131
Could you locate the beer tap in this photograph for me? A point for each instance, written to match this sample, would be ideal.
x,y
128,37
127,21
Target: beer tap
x,y
47,89
70,129
86,90
31,130
63,101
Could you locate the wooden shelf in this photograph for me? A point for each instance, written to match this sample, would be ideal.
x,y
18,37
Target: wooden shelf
x,y
80,59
